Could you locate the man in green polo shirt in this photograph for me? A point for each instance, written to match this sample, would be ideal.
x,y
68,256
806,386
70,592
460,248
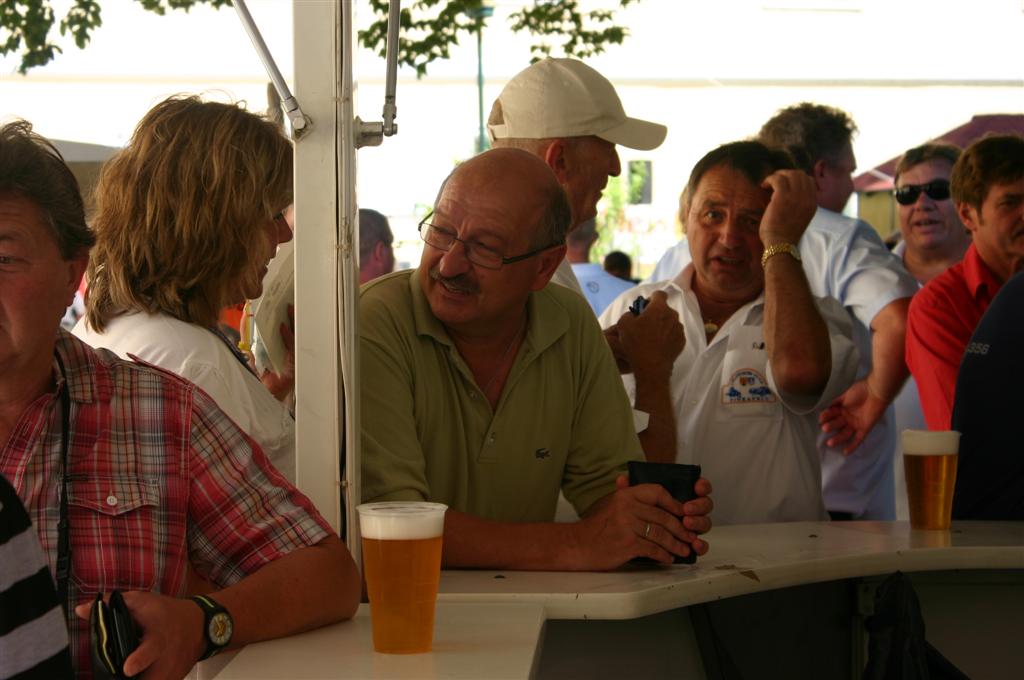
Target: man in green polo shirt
x,y
486,389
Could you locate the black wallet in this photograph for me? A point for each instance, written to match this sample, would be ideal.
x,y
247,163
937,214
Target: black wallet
x,y
678,479
113,636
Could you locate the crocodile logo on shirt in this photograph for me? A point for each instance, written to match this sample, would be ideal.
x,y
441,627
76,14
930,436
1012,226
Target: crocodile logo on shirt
x,y
541,454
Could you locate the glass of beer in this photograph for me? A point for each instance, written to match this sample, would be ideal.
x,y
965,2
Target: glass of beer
x,y
402,561
929,460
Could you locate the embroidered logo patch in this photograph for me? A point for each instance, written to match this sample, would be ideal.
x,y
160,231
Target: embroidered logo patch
x,y
593,287
747,386
541,454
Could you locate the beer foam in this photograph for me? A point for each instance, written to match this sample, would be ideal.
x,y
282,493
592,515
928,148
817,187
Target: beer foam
x,y
930,443
401,520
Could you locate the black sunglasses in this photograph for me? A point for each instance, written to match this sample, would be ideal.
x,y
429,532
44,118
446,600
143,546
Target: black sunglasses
x,y
937,190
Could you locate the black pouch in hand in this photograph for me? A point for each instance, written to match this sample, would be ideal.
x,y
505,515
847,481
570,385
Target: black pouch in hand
x,y
113,636
678,479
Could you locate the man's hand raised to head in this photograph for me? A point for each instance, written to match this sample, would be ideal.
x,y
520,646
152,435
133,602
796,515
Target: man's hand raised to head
x,y
791,207
641,521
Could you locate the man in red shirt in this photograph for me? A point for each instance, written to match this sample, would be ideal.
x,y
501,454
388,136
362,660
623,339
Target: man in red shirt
x,y
133,477
988,189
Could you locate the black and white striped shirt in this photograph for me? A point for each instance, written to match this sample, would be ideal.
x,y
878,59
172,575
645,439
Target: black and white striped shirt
x,y
33,636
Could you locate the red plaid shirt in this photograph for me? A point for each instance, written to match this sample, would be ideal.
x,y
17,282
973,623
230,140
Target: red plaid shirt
x,y
161,480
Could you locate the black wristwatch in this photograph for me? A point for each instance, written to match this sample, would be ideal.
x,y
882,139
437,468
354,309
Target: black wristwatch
x,y
218,626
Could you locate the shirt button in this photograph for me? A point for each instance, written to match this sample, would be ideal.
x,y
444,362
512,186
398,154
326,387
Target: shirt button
x,y
111,500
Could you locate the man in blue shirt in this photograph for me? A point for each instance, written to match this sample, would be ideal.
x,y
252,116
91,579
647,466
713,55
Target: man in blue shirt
x,y
990,469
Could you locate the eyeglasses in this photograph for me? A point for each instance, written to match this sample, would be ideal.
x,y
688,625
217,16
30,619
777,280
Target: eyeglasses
x,y
478,254
937,190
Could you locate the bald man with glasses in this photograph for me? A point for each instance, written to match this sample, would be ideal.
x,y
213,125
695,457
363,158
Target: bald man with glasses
x,y
488,390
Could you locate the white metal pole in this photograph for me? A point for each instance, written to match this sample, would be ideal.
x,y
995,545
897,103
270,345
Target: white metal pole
x,y
348,285
319,409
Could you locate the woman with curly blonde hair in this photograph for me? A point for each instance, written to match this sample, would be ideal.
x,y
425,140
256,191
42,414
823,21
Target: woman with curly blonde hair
x,y
188,215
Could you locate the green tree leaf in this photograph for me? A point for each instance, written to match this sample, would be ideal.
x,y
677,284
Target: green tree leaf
x,y
26,26
429,27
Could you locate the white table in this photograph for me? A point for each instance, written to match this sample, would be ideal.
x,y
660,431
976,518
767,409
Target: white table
x,y
635,621
970,581
747,559
470,641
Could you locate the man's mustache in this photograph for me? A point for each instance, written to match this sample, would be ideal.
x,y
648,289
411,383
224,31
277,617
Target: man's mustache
x,y
460,283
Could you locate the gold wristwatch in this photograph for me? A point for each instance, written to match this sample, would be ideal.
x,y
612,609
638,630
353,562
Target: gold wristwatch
x,y
776,248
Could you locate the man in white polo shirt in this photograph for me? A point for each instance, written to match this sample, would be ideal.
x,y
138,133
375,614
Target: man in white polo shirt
x,y
570,116
762,354
844,258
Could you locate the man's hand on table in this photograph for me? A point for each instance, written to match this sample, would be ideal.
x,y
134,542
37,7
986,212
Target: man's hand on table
x,y
642,521
172,635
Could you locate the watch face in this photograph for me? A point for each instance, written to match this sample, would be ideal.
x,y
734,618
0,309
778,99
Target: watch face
x,y
219,629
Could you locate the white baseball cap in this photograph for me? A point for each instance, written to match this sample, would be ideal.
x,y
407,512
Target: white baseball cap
x,y
567,98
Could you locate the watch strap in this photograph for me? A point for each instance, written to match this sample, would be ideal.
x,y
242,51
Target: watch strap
x,y
776,248
211,608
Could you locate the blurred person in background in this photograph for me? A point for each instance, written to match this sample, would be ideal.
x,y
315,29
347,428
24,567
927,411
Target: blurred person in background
x,y
599,287
619,265
188,216
376,254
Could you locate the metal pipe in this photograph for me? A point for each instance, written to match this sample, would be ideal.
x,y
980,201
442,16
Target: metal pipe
x,y
391,79
481,140
298,120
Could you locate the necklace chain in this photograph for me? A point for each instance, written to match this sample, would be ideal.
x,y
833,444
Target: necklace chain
x,y
504,355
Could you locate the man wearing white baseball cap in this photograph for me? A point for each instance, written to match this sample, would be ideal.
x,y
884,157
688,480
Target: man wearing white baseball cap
x,y
570,116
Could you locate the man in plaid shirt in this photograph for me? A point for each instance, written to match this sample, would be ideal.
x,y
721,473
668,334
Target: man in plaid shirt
x,y
163,489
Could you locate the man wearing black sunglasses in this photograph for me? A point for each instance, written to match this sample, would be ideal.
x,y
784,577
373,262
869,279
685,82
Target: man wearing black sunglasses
x,y
934,238
987,186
